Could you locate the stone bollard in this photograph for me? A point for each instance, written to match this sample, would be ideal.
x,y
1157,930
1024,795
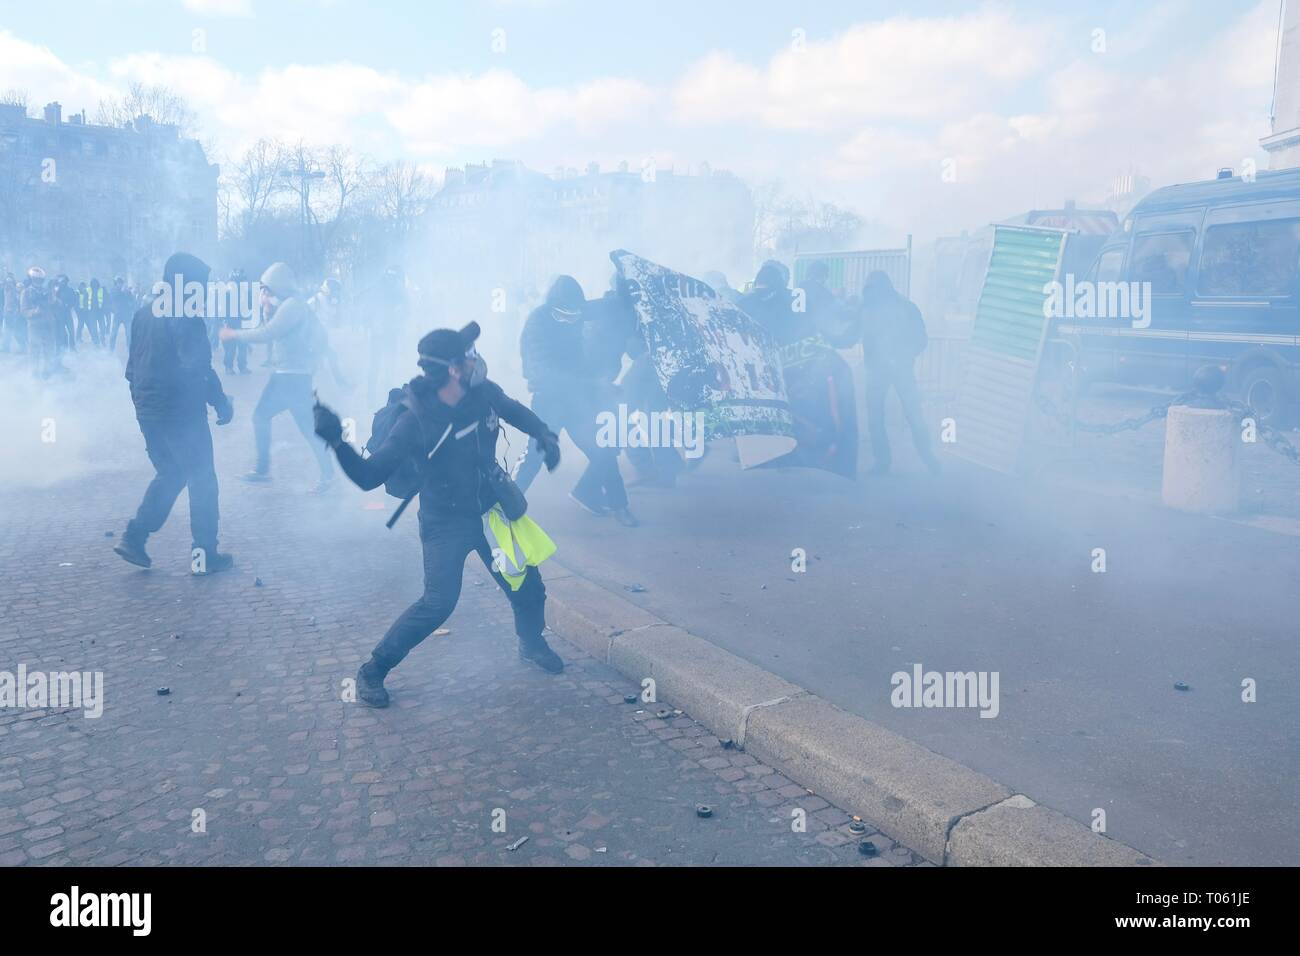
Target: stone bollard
x,y
1202,472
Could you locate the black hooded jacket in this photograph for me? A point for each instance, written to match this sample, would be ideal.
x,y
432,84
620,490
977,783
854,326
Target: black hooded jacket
x,y
170,368
454,482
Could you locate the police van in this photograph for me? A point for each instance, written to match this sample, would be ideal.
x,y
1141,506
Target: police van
x,y
1212,270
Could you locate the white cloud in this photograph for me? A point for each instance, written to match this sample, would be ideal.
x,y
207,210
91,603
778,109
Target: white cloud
x,y
903,67
220,8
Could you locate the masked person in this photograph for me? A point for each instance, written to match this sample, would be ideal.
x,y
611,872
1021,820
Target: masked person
x,y
893,336
172,384
327,303
566,392
36,306
121,306
299,338
448,427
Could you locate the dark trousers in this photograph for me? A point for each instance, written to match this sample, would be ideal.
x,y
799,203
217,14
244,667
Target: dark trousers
x,y
234,350
119,321
288,392
181,453
15,332
447,541
644,393
88,320
601,482
880,379
41,347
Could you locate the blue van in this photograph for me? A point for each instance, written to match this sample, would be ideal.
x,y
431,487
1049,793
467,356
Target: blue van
x,y
1221,258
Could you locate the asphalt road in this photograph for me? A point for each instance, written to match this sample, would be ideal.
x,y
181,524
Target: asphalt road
x,y
974,571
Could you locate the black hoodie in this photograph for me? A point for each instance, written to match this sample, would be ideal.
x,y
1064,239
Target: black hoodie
x,y
465,435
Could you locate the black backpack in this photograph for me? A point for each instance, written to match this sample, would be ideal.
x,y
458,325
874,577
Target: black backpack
x,y
406,481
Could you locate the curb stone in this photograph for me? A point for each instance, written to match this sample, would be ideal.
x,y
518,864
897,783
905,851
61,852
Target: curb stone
x,y
947,812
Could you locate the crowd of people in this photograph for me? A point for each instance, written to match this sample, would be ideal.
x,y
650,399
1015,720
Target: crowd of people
x,y
437,437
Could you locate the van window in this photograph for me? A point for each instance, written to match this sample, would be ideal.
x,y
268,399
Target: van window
x,y
1161,259
1250,258
1110,266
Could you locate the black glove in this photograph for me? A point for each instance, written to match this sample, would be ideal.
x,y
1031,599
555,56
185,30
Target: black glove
x,y
328,425
225,411
550,450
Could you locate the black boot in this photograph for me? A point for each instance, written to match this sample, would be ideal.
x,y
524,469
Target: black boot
x,y
131,549
214,562
370,685
537,651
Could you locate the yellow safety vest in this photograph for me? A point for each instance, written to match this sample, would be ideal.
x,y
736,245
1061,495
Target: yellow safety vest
x,y
518,545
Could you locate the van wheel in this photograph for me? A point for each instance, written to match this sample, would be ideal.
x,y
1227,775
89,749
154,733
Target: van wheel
x,y
1264,389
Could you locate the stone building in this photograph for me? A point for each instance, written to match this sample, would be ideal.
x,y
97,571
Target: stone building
x,y
89,200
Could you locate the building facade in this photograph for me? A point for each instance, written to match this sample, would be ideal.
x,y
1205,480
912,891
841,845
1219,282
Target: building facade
x,y
89,200
1283,143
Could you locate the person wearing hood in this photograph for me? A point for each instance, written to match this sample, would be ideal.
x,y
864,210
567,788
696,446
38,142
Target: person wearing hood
x,y
172,384
300,345
566,392
449,424
771,304
893,336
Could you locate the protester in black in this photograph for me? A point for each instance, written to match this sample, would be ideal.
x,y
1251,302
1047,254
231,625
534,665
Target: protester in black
x,y
566,388
449,426
172,385
893,336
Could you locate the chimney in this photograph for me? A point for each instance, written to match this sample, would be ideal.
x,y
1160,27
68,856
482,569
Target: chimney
x,y
53,113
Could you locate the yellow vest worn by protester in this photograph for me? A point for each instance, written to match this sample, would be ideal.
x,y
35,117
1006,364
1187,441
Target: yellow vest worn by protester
x,y
516,545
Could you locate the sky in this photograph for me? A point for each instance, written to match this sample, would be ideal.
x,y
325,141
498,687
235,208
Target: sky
x,y
923,117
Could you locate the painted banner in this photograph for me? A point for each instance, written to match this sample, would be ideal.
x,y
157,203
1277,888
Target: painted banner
x,y
710,357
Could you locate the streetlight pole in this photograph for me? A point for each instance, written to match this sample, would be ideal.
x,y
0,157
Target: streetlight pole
x,y
303,175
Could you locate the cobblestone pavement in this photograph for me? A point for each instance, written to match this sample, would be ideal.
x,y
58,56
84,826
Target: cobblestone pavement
x,y
254,733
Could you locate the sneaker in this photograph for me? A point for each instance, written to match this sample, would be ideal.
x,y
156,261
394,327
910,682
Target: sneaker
x,y
626,518
539,652
133,552
591,507
369,689
256,478
215,562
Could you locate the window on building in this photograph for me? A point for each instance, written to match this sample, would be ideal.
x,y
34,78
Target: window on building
x,y
1161,259
1250,258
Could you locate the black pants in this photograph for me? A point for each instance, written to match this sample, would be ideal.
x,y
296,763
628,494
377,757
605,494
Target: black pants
x,y
181,453
88,320
119,321
447,542
601,482
644,393
288,392
880,379
234,350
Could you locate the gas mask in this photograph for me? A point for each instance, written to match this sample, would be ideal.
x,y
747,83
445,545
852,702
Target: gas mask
x,y
479,373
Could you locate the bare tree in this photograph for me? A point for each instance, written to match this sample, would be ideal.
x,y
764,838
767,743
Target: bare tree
x,y
401,193
160,103
252,182
14,97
